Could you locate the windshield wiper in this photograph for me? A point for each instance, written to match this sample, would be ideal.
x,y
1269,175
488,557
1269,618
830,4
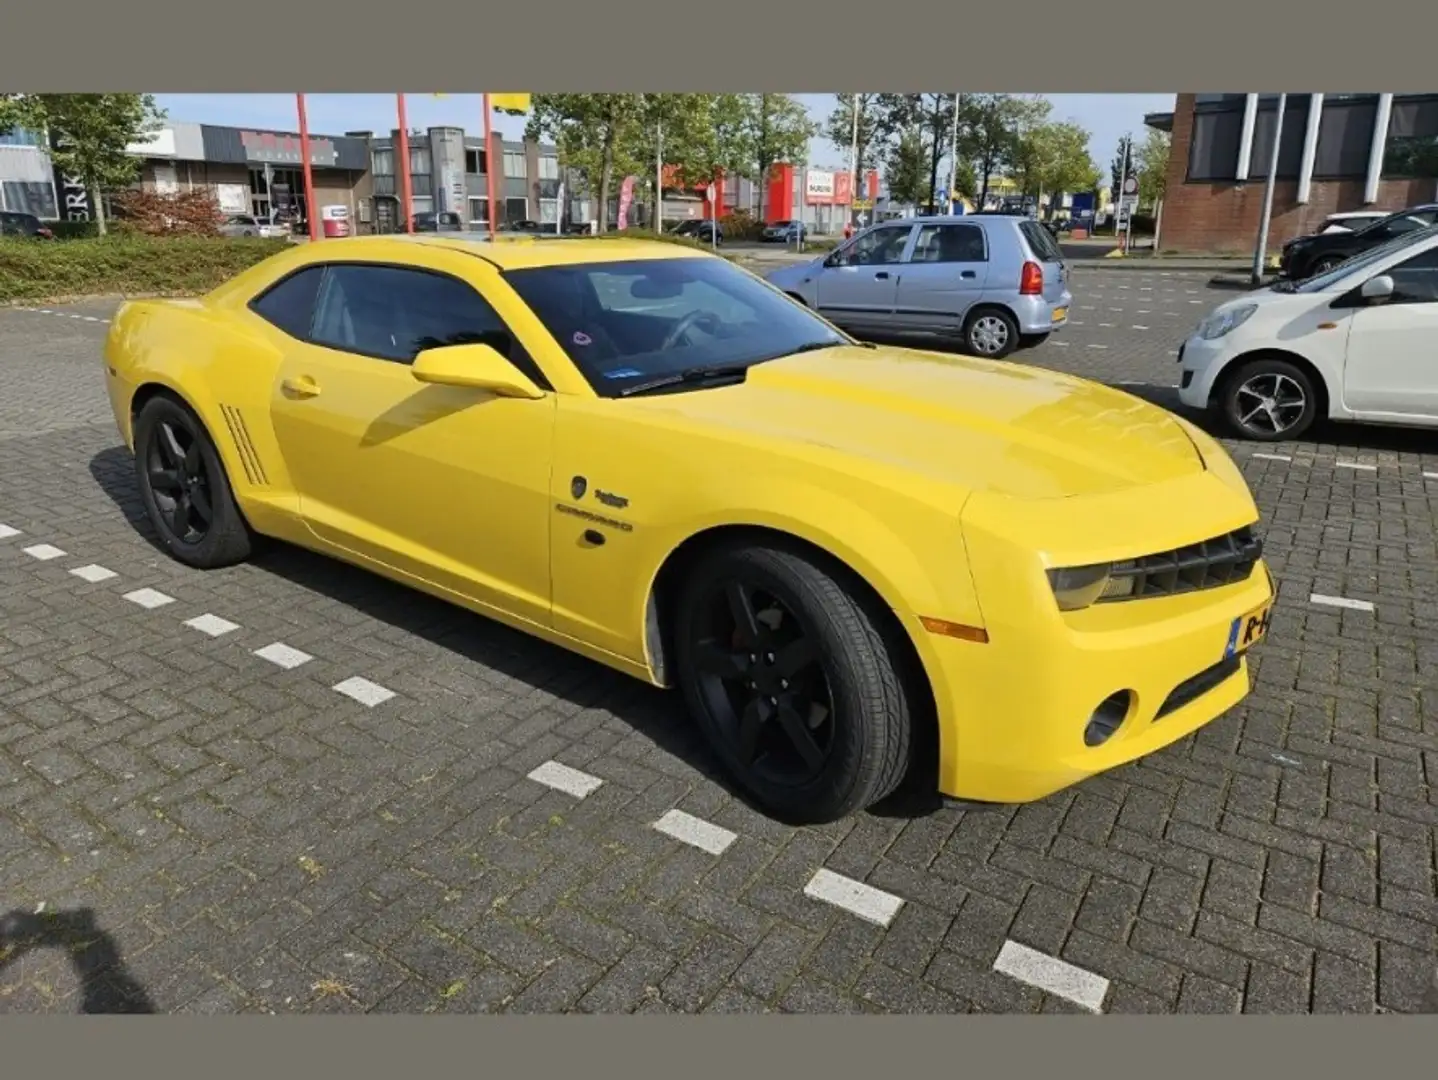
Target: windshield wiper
x,y
688,375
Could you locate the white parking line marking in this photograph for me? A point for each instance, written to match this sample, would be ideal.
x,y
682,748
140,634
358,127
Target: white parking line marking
x,y
364,691
1098,346
149,598
1059,344
562,778
1340,601
696,832
1195,301
6,532
1136,327
1106,325
212,625
283,656
43,552
1270,457
1354,465
1052,975
93,573
868,903
1427,475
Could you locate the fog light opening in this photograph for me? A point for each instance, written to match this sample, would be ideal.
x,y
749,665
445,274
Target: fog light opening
x,y
1108,718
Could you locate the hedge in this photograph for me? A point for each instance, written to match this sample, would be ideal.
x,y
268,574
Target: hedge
x,y
124,265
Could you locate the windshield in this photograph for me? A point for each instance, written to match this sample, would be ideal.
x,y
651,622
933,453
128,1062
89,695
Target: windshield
x,y
626,323
1361,262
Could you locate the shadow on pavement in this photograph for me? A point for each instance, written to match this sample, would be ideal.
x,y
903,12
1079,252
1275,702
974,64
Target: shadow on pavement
x,y
658,715
105,985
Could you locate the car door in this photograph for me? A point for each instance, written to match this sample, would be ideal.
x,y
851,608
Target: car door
x,y
1391,368
860,287
446,484
943,274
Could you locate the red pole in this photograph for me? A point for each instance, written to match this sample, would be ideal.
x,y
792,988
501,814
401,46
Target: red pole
x,y
489,166
311,213
403,168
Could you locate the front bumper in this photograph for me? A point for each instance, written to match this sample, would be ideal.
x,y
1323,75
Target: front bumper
x,y
1013,711
1200,362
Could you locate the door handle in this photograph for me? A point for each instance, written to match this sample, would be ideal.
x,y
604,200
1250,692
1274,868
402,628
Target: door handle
x,y
301,386
882,275
968,274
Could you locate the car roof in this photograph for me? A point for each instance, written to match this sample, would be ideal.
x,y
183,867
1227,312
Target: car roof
x,y
525,252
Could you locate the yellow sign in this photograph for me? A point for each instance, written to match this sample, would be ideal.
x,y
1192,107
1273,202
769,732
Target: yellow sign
x,y
513,104
863,204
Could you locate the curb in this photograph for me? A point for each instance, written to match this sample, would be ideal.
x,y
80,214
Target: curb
x,y
86,298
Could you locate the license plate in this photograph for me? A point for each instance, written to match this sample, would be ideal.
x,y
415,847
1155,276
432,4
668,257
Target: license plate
x,y
1248,630
1060,314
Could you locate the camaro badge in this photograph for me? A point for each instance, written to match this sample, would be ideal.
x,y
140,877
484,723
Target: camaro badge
x,y
578,486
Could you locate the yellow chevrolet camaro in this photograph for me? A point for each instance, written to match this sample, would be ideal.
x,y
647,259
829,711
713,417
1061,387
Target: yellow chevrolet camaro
x,y
857,564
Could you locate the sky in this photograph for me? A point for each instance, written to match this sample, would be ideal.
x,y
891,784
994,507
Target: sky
x,y
1108,117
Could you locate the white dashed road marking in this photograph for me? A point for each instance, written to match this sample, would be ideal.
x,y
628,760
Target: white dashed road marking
x,y
1427,475
44,552
1091,346
1060,344
1340,602
868,903
696,832
6,532
1270,457
1354,465
283,656
1139,328
149,598
212,625
1052,975
562,778
364,691
93,573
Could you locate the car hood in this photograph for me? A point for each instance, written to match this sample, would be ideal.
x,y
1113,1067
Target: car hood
x,y
984,426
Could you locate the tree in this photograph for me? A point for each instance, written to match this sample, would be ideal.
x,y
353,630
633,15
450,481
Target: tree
x,y
776,128
931,116
988,133
1053,158
1153,166
876,123
89,135
678,128
1122,164
595,135
907,168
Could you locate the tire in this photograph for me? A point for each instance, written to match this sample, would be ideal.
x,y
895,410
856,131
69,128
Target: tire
x,y
1276,380
1032,341
227,538
864,738
990,333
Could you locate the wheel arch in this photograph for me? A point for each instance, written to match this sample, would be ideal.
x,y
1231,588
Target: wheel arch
x,y
1307,366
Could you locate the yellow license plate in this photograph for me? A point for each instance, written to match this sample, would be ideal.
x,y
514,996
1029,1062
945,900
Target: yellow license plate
x,y
1060,314
1248,630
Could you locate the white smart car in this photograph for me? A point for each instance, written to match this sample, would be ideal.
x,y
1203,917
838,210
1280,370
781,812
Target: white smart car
x,y
1358,343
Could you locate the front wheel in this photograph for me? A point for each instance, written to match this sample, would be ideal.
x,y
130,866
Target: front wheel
x,y
1269,400
991,333
794,684
184,488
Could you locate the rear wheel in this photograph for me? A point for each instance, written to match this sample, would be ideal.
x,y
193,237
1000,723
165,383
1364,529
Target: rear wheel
x,y
794,684
991,333
1269,400
184,488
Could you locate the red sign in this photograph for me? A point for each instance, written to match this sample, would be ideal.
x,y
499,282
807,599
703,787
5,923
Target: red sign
x,y
283,149
626,197
843,188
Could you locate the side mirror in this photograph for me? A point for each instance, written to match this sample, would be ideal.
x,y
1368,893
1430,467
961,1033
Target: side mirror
x,y
1377,288
478,367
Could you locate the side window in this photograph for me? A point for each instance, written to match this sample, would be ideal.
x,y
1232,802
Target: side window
x,y
1415,281
394,314
949,244
880,246
289,305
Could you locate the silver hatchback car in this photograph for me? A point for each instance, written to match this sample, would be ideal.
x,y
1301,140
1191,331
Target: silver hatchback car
x,y
995,282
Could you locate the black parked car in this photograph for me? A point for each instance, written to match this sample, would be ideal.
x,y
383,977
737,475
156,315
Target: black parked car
x,y
15,223
701,229
1307,256
444,221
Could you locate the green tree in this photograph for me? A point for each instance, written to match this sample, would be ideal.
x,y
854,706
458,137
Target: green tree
x,y
678,128
907,169
89,135
1122,164
1152,158
1053,158
932,116
776,128
989,127
595,135
876,125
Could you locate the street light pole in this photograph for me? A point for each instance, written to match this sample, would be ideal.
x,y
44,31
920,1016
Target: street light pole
x,y
854,160
1260,253
953,157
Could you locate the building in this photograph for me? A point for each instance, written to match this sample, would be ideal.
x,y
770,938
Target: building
x,y
1337,152
27,182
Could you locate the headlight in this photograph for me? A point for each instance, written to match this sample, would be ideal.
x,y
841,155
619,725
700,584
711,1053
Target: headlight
x,y
1078,587
1225,322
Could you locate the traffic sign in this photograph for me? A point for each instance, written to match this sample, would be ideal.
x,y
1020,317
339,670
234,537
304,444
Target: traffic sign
x,y
709,192
1130,184
863,204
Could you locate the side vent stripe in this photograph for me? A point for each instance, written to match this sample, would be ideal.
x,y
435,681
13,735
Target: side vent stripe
x,y
249,458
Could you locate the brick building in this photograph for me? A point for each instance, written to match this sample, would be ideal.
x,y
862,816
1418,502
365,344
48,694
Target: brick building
x,y
1337,152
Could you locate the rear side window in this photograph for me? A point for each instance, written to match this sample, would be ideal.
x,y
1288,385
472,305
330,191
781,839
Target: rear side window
x,y
290,305
950,244
1041,241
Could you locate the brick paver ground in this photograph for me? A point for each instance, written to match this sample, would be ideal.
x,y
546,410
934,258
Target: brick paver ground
x,y
201,829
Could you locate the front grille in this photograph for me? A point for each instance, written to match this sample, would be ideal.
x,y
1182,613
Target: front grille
x,y
1209,564
1192,689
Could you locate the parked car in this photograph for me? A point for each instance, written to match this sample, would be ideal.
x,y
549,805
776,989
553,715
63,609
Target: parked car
x,y
1351,220
1310,255
994,282
701,229
441,221
17,223
250,225
1355,343
784,232
856,565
